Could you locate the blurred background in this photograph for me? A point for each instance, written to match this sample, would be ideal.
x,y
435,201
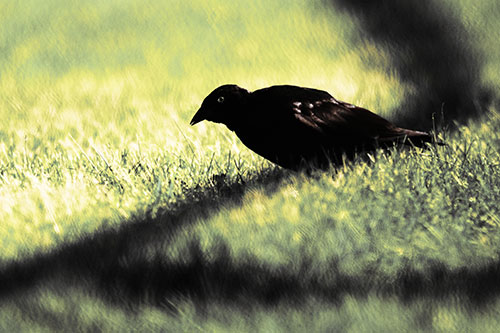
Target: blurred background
x,y
68,64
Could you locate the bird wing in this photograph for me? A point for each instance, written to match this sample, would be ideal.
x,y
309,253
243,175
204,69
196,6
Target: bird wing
x,y
316,113
337,118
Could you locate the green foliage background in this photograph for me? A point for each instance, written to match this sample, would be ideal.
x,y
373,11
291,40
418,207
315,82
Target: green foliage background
x,y
96,152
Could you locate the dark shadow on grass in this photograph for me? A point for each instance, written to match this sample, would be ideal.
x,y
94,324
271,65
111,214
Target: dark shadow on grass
x,y
248,282
129,266
431,51
98,255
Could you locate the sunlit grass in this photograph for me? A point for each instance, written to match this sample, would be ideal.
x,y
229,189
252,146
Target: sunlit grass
x,y
95,100
79,117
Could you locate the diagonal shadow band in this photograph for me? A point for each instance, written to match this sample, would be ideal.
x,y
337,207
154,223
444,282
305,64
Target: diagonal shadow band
x,y
431,51
96,253
116,265
249,282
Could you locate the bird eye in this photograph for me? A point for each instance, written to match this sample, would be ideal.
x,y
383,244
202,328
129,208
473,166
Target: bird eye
x,y
220,99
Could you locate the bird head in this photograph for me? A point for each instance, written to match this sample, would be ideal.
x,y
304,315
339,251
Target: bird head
x,y
221,105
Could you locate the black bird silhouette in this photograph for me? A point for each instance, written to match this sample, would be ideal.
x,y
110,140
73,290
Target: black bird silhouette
x,y
298,127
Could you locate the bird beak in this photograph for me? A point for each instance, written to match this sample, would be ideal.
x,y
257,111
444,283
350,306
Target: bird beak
x,y
198,116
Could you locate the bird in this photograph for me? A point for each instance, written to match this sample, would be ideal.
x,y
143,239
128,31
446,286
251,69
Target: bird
x,y
298,127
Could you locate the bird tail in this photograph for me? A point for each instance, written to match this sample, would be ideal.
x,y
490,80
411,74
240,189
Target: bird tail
x,y
419,139
410,137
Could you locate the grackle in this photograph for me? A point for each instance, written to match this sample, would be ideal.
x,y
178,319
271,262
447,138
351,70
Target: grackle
x,y
298,127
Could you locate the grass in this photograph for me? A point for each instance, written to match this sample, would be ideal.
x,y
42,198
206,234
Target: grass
x,y
116,215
